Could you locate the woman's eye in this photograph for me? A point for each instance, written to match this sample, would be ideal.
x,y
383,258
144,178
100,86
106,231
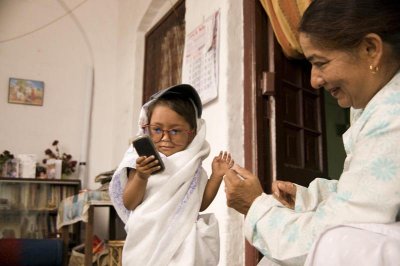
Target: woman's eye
x,y
319,64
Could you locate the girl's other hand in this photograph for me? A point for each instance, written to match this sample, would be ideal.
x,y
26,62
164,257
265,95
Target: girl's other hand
x,y
222,163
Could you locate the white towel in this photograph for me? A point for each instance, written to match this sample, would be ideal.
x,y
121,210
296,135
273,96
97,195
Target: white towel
x,y
164,228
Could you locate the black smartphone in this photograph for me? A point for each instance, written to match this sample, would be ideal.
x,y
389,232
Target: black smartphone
x,y
145,147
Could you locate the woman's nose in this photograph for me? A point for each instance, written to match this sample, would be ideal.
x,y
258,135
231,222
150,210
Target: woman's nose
x,y
316,79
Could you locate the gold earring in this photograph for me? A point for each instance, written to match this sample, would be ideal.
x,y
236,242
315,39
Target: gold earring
x,y
373,69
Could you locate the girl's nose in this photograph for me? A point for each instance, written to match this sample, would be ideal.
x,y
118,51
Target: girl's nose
x,y
165,136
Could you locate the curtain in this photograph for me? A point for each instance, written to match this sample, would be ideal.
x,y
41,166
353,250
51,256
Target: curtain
x,y
285,17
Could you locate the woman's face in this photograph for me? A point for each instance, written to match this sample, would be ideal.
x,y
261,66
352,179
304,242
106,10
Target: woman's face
x,y
179,136
345,76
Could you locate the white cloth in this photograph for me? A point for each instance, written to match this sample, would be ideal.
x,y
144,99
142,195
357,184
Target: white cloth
x,y
164,229
357,244
368,190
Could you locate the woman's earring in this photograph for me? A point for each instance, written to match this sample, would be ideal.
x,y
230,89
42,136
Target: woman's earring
x,y
373,69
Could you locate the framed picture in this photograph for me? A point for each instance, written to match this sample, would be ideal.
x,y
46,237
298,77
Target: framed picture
x,y
25,91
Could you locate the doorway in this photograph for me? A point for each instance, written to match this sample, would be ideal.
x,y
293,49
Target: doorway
x,y
288,125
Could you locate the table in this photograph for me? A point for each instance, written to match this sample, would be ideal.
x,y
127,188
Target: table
x,y
115,252
80,208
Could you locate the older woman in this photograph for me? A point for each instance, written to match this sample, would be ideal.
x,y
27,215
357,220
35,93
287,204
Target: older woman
x,y
354,49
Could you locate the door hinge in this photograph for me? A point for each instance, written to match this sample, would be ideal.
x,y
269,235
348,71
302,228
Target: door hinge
x,y
268,83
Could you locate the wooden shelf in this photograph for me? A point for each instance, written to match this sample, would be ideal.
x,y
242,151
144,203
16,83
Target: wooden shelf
x,y
72,182
29,208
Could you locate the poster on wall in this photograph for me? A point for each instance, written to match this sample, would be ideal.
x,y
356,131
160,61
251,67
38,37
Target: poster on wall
x,y
200,60
25,91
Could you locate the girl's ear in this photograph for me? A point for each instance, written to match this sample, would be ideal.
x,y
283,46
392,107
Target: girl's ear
x,y
372,46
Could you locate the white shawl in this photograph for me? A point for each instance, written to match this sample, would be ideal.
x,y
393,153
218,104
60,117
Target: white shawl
x,y
164,229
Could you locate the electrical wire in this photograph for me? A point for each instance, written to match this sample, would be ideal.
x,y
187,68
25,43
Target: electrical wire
x,y
43,26
85,154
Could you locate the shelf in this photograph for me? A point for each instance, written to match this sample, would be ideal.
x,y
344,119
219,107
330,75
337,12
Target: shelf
x,y
29,208
24,212
40,181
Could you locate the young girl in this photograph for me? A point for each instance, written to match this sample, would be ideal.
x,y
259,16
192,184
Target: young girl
x,y
161,211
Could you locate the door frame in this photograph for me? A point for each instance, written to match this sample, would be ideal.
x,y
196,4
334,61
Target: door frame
x,y
254,155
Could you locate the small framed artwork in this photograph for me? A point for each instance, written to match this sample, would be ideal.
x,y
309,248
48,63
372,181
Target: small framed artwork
x,y
25,91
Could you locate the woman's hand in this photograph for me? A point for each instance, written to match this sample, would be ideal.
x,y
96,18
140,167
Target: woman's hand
x,y
285,192
241,188
145,166
222,163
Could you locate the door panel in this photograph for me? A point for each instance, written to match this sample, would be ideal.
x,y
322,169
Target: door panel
x,y
164,51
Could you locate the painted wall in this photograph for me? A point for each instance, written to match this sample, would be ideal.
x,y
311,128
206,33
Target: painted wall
x,y
102,42
43,43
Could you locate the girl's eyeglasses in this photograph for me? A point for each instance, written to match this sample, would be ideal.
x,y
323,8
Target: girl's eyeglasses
x,y
176,136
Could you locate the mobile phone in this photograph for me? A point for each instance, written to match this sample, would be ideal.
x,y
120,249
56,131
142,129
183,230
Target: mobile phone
x,y
145,147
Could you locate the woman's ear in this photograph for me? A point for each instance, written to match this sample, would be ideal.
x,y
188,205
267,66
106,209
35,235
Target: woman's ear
x,y
372,45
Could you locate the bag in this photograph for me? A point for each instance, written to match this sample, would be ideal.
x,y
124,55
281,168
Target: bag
x,y
78,257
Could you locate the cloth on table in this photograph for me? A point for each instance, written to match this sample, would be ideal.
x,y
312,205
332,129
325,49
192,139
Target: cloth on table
x,y
75,208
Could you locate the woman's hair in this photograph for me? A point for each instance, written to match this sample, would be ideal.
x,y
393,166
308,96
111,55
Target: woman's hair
x,y
342,24
179,104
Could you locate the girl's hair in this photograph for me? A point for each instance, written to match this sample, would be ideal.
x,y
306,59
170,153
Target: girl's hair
x,y
342,24
179,104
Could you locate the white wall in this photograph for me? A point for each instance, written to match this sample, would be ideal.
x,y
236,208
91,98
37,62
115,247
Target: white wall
x,y
109,38
59,55
224,115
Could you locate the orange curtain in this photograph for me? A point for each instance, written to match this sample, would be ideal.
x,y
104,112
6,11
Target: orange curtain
x,y
285,17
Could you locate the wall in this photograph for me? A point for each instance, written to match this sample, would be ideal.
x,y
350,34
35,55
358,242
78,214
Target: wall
x,y
224,130
103,42
36,44
224,115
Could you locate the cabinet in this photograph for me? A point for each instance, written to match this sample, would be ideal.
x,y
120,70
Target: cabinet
x,y
28,207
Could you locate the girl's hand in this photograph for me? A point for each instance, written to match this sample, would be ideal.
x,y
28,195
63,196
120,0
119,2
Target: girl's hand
x,y
285,192
222,163
145,166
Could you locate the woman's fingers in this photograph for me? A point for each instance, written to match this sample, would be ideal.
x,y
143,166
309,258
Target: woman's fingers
x,y
287,187
285,192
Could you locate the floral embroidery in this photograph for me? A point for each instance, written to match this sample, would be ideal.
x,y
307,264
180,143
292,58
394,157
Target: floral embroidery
x,y
379,129
394,99
384,169
343,196
320,213
293,233
276,220
116,194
